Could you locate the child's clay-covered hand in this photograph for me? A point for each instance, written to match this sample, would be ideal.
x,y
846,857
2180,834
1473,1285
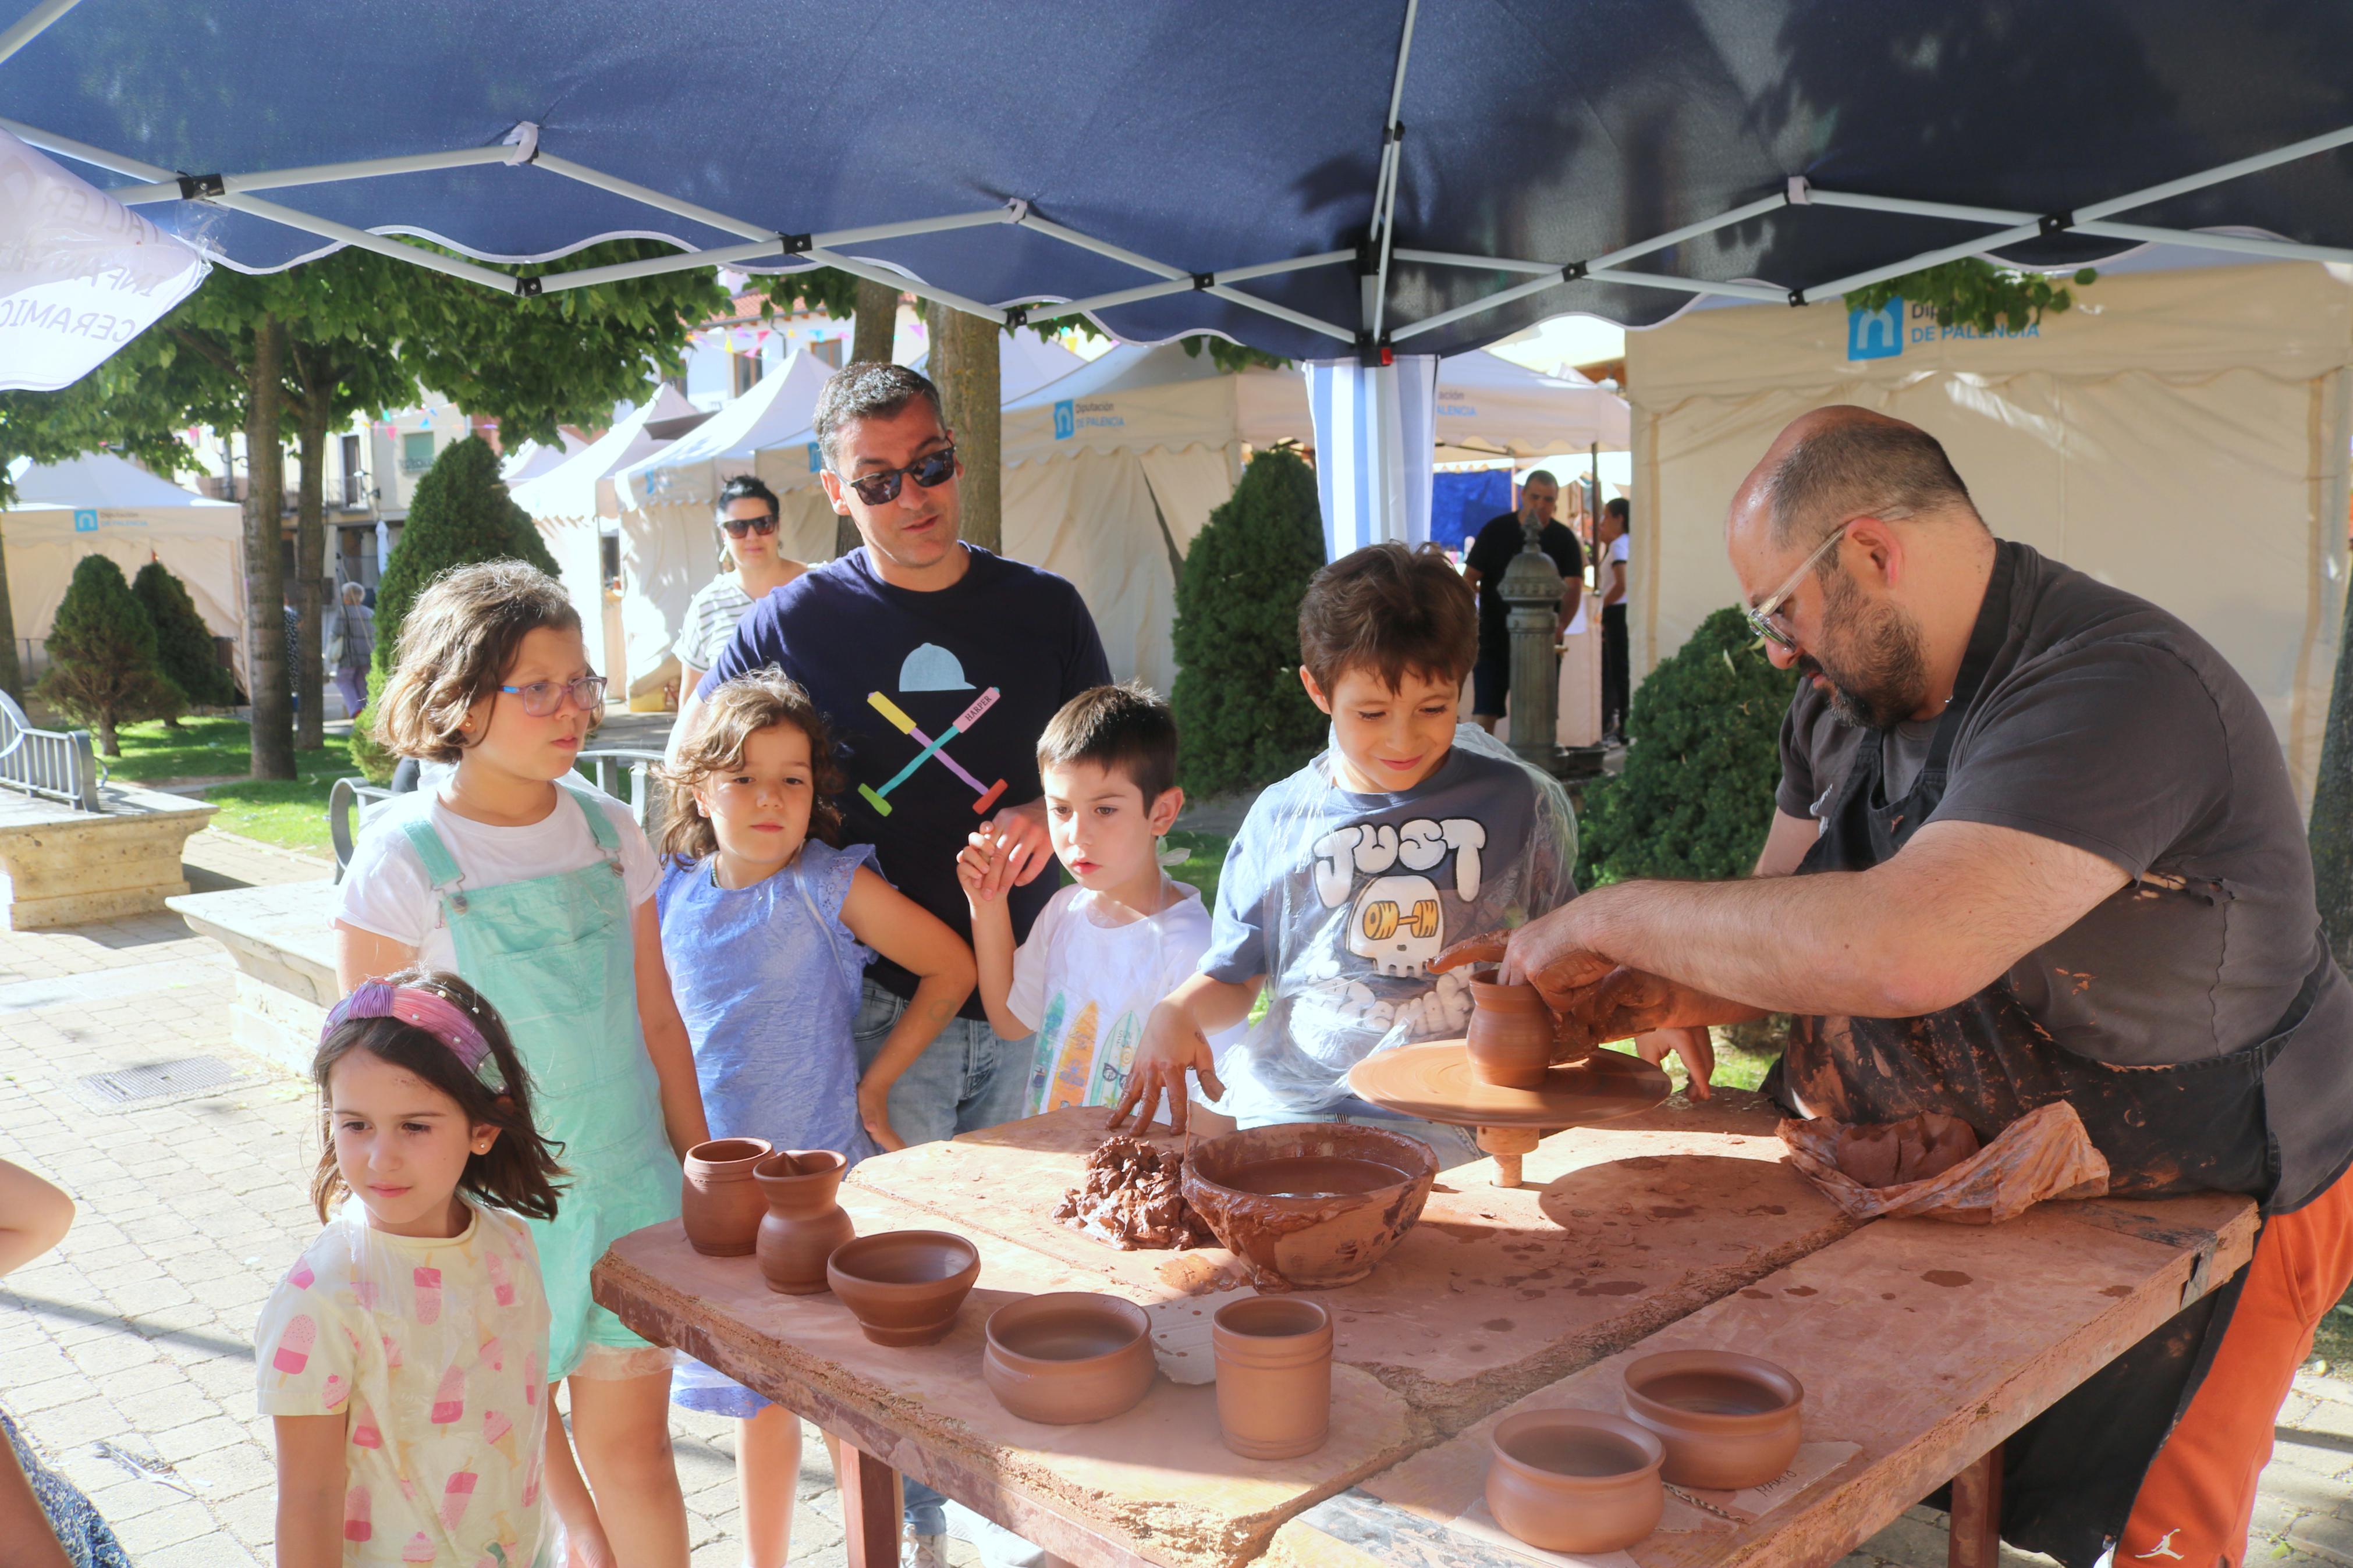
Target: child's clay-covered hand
x,y
978,856
874,1111
1172,1046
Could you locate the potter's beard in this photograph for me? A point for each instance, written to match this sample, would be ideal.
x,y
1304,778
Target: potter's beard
x,y
1878,674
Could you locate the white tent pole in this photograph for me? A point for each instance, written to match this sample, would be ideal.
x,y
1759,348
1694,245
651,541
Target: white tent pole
x,y
1766,292
1488,302
1740,214
2241,245
921,289
1282,313
1101,247
327,228
1814,293
1393,144
316,174
33,24
683,261
83,153
875,231
1487,263
1905,206
650,197
1183,283
2261,161
1270,269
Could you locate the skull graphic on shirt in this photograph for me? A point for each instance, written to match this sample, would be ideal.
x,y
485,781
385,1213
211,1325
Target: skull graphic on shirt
x,y
1398,922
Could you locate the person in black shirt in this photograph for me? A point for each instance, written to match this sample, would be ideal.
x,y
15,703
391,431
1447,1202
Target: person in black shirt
x,y
1500,539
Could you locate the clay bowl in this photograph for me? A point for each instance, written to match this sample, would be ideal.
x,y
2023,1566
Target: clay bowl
x,y
1369,1185
1575,1480
1068,1357
720,1205
1728,1420
904,1286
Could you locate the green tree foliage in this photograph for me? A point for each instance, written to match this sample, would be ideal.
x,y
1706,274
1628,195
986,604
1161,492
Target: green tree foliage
x,y
1244,719
1696,797
102,669
184,644
1974,292
461,514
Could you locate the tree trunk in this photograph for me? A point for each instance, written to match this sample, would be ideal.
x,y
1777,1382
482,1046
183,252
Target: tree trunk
x,y
310,559
874,327
109,743
2331,832
964,367
265,571
12,674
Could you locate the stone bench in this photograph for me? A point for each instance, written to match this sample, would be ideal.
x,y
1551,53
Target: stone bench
x,y
284,945
66,866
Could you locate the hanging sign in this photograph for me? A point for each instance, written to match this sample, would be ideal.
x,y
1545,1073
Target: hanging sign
x,y
81,274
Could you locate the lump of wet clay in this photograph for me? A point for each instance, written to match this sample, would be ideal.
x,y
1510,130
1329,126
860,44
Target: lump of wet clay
x,y
1889,1154
1133,1197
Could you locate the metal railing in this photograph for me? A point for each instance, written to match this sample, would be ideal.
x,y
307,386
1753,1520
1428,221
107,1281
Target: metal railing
x,y
352,801
53,764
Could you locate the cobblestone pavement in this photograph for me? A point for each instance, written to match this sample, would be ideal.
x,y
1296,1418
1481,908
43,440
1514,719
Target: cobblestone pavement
x,y
127,1353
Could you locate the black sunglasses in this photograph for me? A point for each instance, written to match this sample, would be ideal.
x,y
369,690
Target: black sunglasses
x,y
930,469
737,527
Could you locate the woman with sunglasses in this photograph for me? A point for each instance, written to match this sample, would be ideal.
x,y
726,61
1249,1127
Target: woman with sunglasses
x,y
749,570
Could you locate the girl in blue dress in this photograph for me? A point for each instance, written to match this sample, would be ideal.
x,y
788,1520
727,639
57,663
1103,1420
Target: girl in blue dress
x,y
766,928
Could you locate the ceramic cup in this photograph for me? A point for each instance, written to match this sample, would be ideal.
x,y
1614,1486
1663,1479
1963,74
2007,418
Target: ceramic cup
x,y
804,1222
1274,1377
1728,1420
905,1286
1068,1357
720,1204
1510,1038
1575,1480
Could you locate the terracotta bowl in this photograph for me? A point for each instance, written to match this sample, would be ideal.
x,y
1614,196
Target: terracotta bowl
x,y
1575,1480
1728,1420
1068,1357
1372,1183
719,1204
905,1286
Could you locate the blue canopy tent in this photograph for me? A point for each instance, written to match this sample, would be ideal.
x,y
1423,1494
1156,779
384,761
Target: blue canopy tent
x,y
1327,179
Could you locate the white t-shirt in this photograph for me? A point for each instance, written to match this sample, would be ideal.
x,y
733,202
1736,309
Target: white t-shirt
x,y
1622,551
1086,980
710,621
386,891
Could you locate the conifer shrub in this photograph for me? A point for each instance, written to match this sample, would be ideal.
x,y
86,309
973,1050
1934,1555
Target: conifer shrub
x,y
1244,717
1702,762
184,644
102,669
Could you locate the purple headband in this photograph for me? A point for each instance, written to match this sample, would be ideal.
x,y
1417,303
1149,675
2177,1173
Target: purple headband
x,y
430,1011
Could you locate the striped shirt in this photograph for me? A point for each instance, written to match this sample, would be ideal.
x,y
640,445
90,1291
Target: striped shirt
x,y
710,617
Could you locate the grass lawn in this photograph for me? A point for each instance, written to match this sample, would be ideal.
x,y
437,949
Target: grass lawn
x,y
289,812
1204,857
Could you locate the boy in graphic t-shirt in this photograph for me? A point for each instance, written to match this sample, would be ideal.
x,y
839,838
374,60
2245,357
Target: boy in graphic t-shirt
x,y
1109,946
1349,877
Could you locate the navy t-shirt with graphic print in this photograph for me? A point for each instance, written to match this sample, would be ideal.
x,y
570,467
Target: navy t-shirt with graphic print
x,y
991,657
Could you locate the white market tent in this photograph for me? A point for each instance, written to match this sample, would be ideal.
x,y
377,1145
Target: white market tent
x,y
98,504
2180,434
532,458
690,469
1489,408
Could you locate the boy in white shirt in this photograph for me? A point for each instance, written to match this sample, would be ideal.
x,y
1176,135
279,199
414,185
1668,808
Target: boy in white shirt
x,y
1106,949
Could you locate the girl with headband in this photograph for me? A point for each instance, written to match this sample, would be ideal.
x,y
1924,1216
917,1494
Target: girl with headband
x,y
404,1358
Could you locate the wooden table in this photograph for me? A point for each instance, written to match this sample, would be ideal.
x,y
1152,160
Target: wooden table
x,y
1682,1227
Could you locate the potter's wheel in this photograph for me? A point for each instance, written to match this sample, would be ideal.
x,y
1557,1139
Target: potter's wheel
x,y
1434,1082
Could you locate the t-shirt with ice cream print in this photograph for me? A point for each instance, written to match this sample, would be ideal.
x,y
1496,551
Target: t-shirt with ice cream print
x,y
436,1351
1343,900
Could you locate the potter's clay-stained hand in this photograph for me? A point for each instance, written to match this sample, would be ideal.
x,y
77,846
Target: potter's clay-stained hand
x,y
1593,1000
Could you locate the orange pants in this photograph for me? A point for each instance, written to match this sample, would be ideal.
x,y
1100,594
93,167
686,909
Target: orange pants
x,y
2196,1500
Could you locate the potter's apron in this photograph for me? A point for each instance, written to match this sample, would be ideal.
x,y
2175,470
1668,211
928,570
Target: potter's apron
x,y
557,957
2070,1475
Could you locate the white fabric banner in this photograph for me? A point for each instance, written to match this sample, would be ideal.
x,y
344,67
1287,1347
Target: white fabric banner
x,y
1375,434
81,274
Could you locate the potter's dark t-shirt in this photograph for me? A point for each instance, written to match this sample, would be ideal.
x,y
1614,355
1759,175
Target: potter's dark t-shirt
x,y
1500,539
851,638
2107,723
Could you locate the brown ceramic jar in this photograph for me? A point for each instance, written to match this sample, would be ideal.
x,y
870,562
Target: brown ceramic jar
x,y
1728,1420
1510,1033
904,1287
1274,1377
804,1222
1068,1357
720,1204
1574,1480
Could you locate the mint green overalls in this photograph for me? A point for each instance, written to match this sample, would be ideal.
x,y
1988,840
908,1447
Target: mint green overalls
x,y
556,956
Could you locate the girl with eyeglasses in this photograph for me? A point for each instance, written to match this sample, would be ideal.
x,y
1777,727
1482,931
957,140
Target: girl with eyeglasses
x,y
539,893
751,567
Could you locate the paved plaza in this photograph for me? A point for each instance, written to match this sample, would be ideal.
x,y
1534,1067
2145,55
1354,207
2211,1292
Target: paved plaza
x,y
127,1353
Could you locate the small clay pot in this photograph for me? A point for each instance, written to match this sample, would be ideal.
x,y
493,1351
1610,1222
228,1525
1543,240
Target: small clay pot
x,y
1377,1180
1728,1420
904,1286
719,1203
1510,1033
1068,1357
804,1222
1274,1377
1575,1480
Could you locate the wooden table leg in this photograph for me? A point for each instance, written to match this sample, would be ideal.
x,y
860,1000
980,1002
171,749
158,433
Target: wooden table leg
x,y
871,1508
1975,1519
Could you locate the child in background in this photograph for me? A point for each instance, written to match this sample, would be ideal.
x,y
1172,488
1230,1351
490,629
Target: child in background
x,y
1349,877
766,928
1108,947
403,1357
540,892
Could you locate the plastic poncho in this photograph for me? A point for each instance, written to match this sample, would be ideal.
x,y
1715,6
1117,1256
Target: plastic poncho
x,y
1342,900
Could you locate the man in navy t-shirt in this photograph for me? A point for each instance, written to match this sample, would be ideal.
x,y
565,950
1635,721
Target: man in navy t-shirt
x,y
937,664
